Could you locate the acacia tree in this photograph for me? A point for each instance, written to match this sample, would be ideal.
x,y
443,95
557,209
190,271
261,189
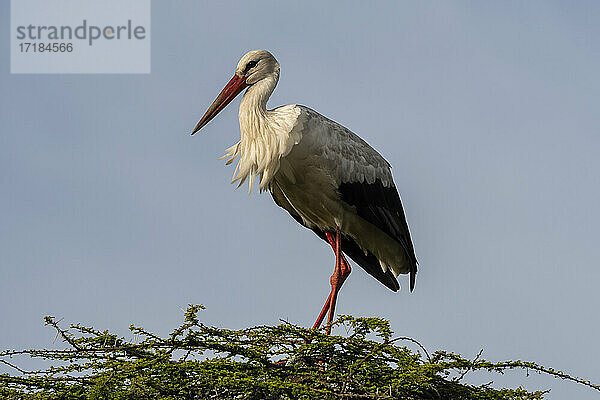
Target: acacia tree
x,y
197,361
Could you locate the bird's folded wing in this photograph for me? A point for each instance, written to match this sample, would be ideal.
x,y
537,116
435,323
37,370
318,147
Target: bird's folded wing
x,y
382,207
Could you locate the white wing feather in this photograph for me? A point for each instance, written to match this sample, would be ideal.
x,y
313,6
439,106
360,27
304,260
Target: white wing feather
x,y
347,157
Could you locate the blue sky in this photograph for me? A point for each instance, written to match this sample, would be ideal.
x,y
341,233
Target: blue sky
x,y
112,214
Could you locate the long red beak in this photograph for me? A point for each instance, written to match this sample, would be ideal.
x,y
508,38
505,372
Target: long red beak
x,y
232,89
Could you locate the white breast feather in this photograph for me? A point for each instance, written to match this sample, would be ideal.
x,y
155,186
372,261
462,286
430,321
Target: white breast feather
x,y
265,139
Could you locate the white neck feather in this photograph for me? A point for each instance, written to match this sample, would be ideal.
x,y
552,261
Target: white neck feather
x,y
265,135
256,97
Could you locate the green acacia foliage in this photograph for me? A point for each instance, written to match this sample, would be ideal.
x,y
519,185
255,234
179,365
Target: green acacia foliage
x,y
280,362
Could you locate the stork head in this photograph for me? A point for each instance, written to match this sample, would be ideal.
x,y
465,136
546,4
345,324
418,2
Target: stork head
x,y
254,67
257,65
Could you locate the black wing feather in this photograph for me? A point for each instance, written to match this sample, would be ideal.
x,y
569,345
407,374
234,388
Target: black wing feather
x,y
381,206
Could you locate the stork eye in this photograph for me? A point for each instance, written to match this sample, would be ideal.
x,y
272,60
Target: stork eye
x,y
251,64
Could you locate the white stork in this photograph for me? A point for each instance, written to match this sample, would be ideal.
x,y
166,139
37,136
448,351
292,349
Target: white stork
x,y
327,178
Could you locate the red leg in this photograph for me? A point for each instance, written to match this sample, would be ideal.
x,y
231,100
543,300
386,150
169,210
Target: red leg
x,y
322,314
341,272
335,281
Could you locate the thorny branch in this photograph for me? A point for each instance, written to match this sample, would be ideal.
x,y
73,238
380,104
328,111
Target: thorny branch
x,y
225,364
